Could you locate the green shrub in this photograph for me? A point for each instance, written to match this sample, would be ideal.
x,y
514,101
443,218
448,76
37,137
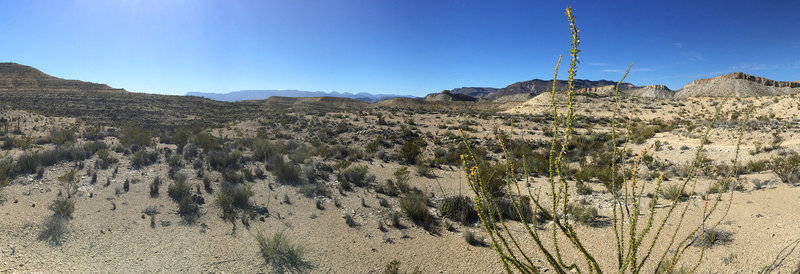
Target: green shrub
x,y
355,176
225,203
584,214
415,206
283,255
142,158
458,208
205,141
672,192
63,208
411,150
220,160
286,173
179,189
787,168
263,149
62,135
135,138
104,159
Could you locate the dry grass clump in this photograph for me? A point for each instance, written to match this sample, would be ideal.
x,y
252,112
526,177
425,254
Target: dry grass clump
x,y
282,254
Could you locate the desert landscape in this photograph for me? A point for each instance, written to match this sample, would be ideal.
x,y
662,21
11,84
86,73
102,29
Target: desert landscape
x,y
552,175
187,184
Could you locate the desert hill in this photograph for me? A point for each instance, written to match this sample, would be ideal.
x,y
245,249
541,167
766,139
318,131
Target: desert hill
x,y
448,96
16,77
742,85
651,91
534,87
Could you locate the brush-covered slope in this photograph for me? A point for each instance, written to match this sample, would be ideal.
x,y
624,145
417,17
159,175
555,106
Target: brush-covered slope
x,y
16,77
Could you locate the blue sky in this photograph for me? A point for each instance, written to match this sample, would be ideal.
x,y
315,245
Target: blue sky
x,y
403,47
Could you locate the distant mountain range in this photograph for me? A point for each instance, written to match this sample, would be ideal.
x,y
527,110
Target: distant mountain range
x,y
243,95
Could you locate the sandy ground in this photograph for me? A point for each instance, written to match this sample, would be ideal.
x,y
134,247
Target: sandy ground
x,y
109,232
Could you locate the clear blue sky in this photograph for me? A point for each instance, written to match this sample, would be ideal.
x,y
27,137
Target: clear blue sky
x,y
405,47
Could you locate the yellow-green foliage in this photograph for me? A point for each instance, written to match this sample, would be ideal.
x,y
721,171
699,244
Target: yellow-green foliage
x,y
636,229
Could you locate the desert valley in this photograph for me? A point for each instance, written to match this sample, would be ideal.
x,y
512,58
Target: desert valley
x,y
99,179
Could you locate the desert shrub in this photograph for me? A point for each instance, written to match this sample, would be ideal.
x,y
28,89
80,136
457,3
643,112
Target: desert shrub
x,y
584,214
640,134
179,189
283,255
388,187
787,168
415,206
225,203
232,177
174,161
583,188
142,158
755,166
286,173
62,135
94,147
411,150
69,183
27,163
300,154
54,230
316,172
314,190
264,149
205,141
240,193
54,156
104,159
135,139
673,192
220,160
154,187
356,176
63,208
458,208
189,210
